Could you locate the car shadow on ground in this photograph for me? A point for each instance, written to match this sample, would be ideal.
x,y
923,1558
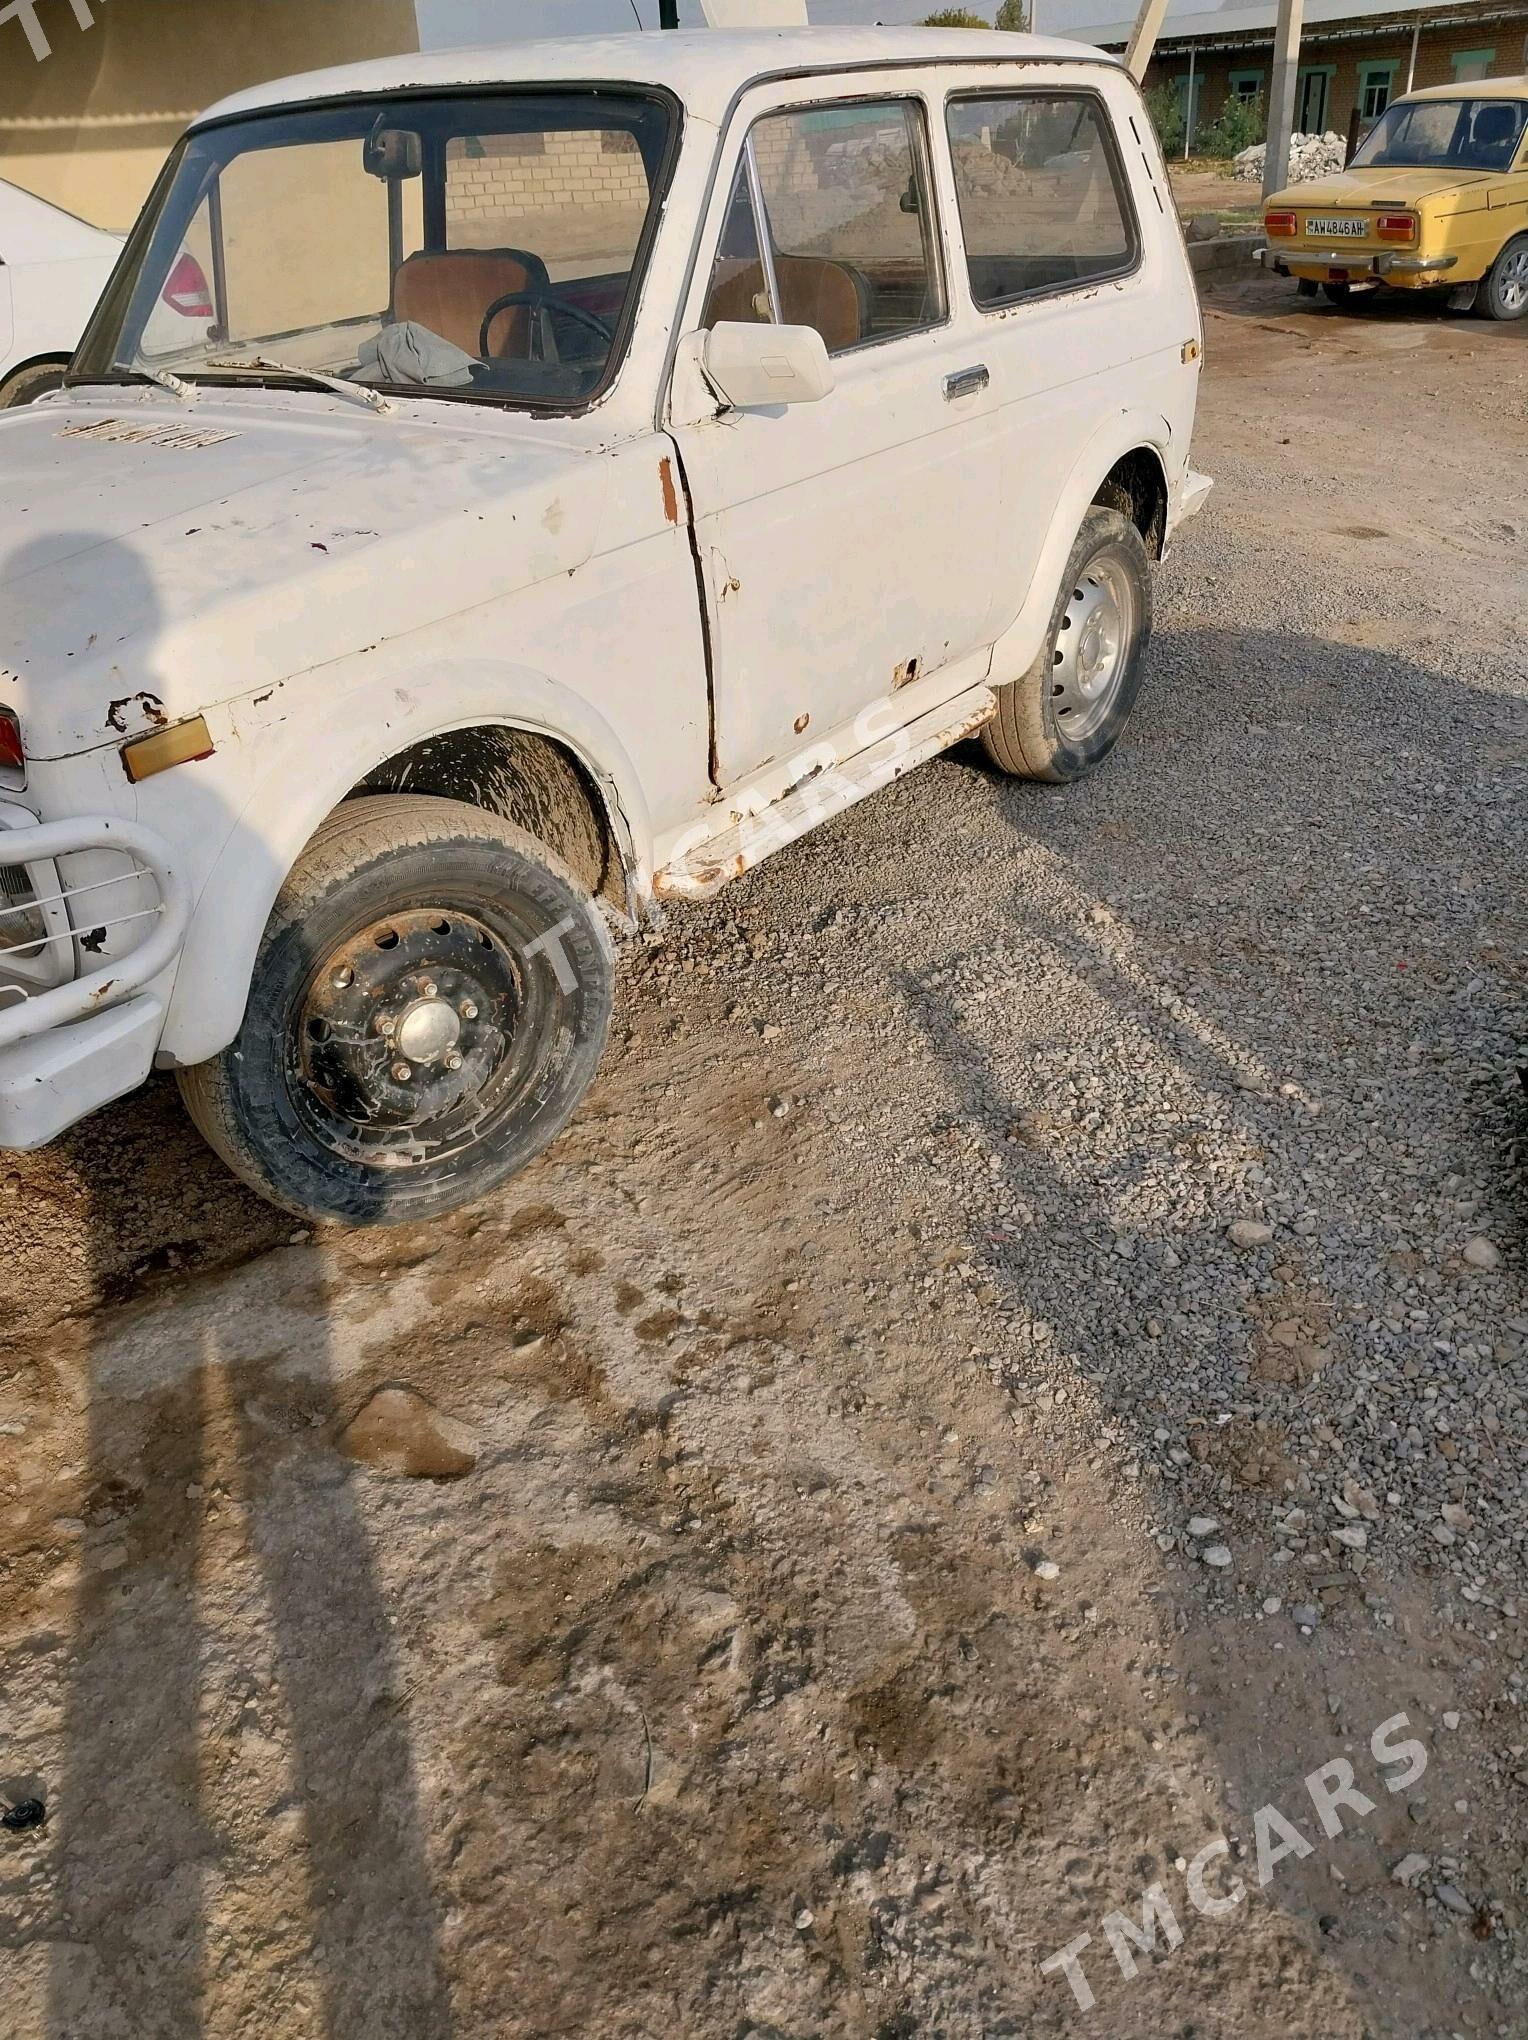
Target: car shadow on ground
x,y
160,1708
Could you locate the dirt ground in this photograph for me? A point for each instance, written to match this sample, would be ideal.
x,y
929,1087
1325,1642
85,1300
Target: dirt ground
x,y
789,1611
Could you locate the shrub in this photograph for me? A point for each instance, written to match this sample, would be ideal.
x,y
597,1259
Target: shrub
x,y
1013,17
954,17
1166,118
1242,122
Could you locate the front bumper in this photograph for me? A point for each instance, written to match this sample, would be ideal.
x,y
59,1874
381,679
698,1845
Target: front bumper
x,y
1354,264
73,1038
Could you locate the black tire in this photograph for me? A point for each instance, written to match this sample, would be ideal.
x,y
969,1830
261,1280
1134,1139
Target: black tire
x,y
1037,733
1337,293
427,923
28,384
1504,293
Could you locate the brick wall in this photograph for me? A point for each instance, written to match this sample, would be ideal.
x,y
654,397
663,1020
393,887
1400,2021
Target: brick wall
x,y
509,176
1435,49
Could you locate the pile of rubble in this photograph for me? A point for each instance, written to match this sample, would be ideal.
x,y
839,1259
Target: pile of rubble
x,y
1309,156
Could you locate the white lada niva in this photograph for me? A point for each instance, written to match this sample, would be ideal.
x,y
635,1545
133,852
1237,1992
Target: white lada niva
x,y
591,464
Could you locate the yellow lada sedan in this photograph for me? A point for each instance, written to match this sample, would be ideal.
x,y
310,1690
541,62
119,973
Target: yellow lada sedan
x,y
1435,199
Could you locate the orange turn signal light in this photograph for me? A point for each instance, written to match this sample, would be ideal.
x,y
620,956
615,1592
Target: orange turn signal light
x,y
182,744
1280,223
1396,227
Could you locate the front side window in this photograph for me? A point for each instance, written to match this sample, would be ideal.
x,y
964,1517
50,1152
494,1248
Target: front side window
x,y
1422,134
1042,198
482,246
830,225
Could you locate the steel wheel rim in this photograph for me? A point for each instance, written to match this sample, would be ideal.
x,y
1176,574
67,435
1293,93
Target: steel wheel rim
x,y
1093,647
412,1039
1513,287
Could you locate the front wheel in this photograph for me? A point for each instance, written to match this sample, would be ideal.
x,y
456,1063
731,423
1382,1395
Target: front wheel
x,y
429,1003
1504,294
1069,710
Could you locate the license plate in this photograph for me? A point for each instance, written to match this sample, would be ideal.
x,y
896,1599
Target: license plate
x,y
1334,230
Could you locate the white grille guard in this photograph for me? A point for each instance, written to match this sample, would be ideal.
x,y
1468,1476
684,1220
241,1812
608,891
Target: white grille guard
x,y
42,843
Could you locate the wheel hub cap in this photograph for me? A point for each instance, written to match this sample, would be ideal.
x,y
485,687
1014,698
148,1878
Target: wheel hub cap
x,y
428,1030
1092,649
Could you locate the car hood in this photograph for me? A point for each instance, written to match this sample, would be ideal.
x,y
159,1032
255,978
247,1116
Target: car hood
x,y
158,557
1379,187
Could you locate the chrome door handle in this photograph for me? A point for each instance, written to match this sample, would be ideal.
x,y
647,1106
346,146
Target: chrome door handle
x,y
965,383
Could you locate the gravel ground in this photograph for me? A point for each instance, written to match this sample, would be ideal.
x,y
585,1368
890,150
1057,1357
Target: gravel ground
x,y
1019,1362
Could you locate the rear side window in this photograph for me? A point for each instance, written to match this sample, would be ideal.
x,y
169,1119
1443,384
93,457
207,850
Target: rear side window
x,y
1043,203
830,226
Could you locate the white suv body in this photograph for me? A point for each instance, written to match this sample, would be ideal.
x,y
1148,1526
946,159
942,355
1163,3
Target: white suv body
x,y
52,269
716,531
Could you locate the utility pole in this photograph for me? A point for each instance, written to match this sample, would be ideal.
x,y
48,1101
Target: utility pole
x,y
1281,100
1143,37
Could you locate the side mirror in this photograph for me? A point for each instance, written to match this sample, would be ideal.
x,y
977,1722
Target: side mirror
x,y
754,367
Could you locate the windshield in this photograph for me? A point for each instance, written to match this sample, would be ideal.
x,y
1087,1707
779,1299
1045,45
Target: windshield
x,y
1463,134
485,247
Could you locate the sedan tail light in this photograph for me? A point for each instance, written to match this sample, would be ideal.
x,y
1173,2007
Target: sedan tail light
x,y
1396,227
187,292
1280,223
11,752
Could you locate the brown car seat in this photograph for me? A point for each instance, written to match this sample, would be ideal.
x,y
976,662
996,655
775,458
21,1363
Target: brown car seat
x,y
813,292
450,291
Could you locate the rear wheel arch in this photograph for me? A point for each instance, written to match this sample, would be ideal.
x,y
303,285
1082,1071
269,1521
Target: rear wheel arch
x,y
1136,486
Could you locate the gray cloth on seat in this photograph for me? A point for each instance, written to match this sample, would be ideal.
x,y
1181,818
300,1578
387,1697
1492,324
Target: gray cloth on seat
x,y
411,353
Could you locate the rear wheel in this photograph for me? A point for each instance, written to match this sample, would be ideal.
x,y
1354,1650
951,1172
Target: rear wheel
x,y
28,384
429,1003
1504,294
1068,711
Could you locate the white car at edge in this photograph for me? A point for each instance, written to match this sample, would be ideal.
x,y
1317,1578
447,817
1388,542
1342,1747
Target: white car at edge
x,y
53,267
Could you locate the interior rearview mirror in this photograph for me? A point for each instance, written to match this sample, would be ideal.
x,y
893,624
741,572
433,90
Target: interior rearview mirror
x,y
392,152
754,367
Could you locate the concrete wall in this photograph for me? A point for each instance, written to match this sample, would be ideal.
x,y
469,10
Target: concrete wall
x,y
510,175
89,124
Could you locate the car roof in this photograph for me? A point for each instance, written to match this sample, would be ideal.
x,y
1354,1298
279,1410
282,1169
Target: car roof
x,y
704,67
1474,88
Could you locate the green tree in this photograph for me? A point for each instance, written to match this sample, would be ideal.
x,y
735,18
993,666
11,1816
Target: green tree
x,y
954,17
1013,16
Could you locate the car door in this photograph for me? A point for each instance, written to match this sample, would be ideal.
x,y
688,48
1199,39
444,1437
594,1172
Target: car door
x,y
843,548
1083,312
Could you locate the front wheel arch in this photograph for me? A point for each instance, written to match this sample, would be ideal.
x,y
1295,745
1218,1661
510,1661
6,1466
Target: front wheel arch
x,y
235,897
48,370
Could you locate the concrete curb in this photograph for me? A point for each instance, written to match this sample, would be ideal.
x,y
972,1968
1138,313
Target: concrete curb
x,y
1230,255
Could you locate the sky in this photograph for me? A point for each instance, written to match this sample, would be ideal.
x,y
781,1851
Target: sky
x,y
443,22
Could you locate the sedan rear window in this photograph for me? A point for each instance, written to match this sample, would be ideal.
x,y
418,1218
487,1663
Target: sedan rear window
x,y
1418,134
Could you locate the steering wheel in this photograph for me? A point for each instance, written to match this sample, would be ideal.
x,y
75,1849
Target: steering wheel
x,y
541,299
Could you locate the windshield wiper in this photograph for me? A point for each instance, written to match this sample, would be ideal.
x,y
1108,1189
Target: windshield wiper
x,y
259,365
176,385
